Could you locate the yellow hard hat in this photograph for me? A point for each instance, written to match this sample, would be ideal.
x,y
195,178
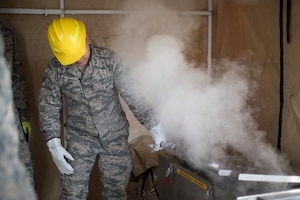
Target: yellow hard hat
x,y
67,39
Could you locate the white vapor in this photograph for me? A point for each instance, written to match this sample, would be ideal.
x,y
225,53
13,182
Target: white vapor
x,y
203,115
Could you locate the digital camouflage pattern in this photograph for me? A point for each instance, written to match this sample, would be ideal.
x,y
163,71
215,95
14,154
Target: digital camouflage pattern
x,y
114,163
14,181
95,121
20,93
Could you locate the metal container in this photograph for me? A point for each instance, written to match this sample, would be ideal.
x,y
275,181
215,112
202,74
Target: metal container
x,y
178,181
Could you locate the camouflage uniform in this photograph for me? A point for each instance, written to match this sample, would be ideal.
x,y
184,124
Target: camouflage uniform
x,y
14,182
20,95
95,122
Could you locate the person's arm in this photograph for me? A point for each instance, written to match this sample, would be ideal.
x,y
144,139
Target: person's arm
x,y
49,102
129,91
49,111
20,92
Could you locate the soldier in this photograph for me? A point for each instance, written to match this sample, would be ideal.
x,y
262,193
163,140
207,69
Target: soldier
x,y
90,79
20,95
14,182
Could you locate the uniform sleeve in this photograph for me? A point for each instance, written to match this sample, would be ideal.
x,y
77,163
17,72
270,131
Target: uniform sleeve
x,y
129,91
49,103
20,92
21,97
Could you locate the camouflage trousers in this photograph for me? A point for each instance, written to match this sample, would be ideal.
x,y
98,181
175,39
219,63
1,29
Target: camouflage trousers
x,y
114,164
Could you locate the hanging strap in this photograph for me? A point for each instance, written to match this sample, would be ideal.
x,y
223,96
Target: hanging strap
x,y
288,20
281,95
281,44
145,176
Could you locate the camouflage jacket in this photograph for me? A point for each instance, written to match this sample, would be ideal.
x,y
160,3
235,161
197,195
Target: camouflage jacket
x,y
20,92
14,183
91,98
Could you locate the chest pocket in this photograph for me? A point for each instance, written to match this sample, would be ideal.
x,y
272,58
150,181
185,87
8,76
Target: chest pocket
x,y
103,83
71,87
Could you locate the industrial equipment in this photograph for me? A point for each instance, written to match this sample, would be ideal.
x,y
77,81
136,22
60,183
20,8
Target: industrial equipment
x,y
178,181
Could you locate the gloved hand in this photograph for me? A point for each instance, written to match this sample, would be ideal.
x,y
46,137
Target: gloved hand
x,y
158,136
27,130
59,154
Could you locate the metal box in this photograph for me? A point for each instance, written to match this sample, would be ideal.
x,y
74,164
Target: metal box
x,y
178,181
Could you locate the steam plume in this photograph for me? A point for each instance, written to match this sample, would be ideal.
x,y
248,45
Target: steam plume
x,y
207,117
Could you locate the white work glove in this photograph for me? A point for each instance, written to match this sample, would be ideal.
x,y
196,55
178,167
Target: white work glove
x,y
158,136
59,154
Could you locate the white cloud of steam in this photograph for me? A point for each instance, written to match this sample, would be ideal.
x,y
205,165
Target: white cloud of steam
x,y
148,18
203,115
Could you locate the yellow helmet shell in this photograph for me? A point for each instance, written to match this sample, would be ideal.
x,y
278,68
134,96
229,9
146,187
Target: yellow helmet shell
x,y
67,39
